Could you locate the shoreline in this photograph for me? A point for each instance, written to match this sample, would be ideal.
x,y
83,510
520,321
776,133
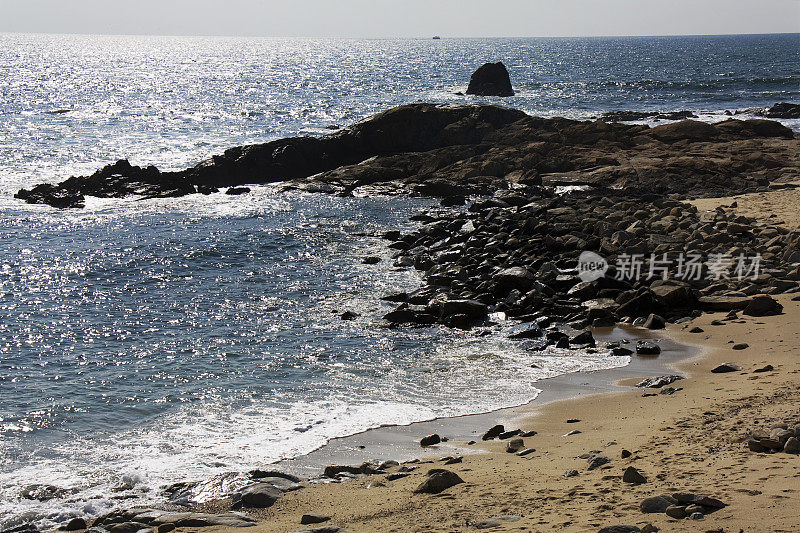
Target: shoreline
x,y
401,442
662,449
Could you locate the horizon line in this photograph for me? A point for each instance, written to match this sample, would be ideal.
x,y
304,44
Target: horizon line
x,y
389,38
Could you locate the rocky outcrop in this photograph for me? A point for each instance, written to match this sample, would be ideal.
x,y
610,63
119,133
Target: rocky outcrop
x,y
783,110
491,79
454,152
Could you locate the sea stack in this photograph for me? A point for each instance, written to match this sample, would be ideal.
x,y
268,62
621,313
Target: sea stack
x,y
491,79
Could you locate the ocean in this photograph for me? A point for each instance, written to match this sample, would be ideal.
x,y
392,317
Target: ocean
x,y
148,342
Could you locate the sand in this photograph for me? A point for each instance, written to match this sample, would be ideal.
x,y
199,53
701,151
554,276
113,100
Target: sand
x,y
691,441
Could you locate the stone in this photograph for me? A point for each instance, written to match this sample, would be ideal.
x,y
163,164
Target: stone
x,y
257,496
763,306
514,278
697,330
761,370
471,308
647,348
723,303
307,519
440,480
625,454
323,529
494,432
725,368
620,529
583,338
430,440
597,461
792,445
676,511
658,381
515,445
75,524
491,79
633,476
657,504
655,322
164,528
571,473
741,346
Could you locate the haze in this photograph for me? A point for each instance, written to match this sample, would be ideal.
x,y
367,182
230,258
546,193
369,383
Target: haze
x,y
409,18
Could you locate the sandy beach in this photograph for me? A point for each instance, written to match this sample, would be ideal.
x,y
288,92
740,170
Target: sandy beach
x,y
690,441
694,440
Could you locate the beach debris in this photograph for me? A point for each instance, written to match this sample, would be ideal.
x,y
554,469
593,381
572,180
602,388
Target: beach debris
x,y
438,480
726,368
633,476
657,382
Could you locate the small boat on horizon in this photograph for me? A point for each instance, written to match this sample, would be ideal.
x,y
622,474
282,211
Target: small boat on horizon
x,y
436,37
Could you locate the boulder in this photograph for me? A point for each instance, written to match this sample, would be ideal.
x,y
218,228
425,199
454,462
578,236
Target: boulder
x,y
517,278
655,322
471,308
657,504
76,524
440,480
258,496
494,432
491,79
515,445
763,306
647,348
430,440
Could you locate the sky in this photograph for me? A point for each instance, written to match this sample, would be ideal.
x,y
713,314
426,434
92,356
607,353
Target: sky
x,y
404,18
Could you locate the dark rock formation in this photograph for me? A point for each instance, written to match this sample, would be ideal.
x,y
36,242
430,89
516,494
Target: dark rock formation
x,y
491,79
454,152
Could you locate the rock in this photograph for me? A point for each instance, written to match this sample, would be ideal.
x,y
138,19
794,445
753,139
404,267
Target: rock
x,y
494,432
767,368
620,529
508,434
439,481
430,440
514,278
657,504
658,381
164,528
723,303
631,475
470,308
515,445
655,322
583,338
597,461
307,519
647,348
491,79
258,496
625,454
127,527
237,191
691,130
741,346
323,529
697,330
371,260
571,473
792,445
763,306
783,110
676,511
348,315
725,368
75,524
